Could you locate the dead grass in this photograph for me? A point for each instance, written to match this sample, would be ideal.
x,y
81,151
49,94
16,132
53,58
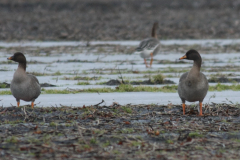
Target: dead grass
x,y
123,132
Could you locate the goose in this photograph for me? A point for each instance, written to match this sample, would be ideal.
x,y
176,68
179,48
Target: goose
x,y
24,86
149,47
193,85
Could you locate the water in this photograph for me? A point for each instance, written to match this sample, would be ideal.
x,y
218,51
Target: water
x,y
107,66
124,43
81,99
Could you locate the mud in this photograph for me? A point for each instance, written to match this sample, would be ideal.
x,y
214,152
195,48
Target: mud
x,y
223,80
118,20
7,85
120,132
113,82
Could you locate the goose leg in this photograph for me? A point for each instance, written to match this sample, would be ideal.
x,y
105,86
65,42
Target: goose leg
x,y
200,109
183,108
151,60
18,103
145,63
32,104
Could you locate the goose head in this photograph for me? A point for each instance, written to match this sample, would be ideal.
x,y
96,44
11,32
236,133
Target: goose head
x,y
18,57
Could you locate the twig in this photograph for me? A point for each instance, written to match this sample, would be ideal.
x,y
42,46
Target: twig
x,y
100,58
154,147
121,76
99,103
24,125
151,127
37,103
188,143
3,111
25,114
229,101
44,70
212,96
80,133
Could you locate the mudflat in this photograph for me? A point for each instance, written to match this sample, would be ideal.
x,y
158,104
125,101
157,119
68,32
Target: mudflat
x,y
120,132
118,20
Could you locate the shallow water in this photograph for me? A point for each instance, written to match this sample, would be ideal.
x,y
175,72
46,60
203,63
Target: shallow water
x,y
81,99
59,66
125,43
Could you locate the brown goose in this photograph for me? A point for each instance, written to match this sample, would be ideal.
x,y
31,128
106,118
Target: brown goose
x,y
149,47
24,86
193,85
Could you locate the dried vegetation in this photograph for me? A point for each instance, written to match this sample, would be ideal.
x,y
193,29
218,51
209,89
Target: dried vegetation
x,y
120,132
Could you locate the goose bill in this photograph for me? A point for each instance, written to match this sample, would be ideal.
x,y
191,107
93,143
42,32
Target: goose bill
x,y
183,57
10,58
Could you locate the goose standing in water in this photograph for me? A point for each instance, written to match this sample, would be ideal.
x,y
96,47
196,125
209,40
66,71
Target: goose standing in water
x,y
24,86
193,85
149,47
